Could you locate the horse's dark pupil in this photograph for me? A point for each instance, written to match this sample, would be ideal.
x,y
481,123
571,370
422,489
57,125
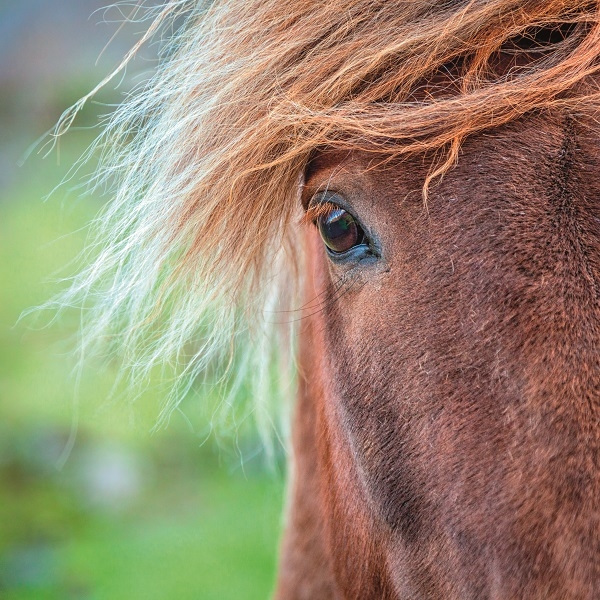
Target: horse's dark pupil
x,y
339,230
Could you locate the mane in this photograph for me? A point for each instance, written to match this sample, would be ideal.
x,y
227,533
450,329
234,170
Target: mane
x,y
197,261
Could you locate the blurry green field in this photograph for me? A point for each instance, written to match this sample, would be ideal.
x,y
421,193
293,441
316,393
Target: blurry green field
x,y
126,513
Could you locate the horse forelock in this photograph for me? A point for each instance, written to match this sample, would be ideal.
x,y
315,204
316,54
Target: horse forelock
x,y
199,245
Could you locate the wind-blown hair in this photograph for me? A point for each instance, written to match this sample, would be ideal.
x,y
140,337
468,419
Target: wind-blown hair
x,y
199,247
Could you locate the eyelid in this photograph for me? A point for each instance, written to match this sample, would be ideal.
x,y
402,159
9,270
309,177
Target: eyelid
x,y
316,210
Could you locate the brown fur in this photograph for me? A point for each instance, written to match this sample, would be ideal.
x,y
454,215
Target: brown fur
x,y
450,397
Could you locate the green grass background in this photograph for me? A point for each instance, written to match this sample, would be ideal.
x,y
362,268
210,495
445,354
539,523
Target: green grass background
x,y
126,513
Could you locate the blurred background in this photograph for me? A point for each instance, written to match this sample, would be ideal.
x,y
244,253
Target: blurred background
x,y
93,504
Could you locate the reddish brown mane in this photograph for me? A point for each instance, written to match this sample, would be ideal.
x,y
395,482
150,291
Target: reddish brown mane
x,y
446,431
250,91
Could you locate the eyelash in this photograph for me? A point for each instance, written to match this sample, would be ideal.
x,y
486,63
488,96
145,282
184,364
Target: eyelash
x,y
314,211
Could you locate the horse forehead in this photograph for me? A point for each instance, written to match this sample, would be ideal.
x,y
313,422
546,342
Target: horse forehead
x,y
327,162
526,141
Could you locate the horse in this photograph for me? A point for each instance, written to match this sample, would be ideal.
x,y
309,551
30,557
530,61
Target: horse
x,y
398,202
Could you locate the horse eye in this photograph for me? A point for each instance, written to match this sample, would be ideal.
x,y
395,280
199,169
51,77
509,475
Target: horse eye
x,y
340,230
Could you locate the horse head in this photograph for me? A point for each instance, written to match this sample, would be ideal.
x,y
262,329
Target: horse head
x,y
450,371
446,269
